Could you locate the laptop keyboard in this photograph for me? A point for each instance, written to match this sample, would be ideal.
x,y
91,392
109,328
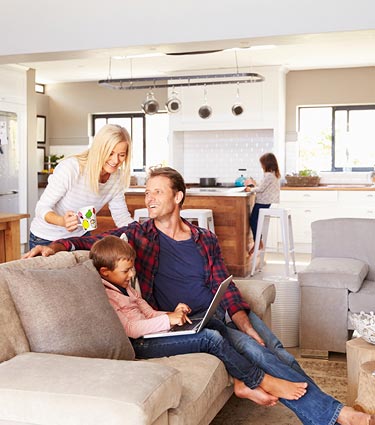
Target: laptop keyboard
x,y
186,326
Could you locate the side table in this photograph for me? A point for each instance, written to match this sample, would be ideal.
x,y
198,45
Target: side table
x,y
358,351
366,388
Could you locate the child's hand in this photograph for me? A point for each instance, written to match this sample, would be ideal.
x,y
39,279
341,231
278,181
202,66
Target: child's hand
x,y
183,307
178,318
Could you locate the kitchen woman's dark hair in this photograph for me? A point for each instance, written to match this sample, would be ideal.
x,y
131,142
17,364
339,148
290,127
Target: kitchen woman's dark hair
x,y
269,163
177,181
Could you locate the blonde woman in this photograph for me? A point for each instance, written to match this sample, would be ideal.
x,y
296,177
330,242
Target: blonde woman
x,y
97,176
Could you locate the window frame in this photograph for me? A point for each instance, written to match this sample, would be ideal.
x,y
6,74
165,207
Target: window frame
x,y
335,108
127,115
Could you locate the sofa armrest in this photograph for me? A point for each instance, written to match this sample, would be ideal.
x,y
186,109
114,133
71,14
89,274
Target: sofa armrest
x,y
338,273
258,294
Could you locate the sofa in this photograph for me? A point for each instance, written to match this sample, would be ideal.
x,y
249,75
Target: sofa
x,y
65,358
339,281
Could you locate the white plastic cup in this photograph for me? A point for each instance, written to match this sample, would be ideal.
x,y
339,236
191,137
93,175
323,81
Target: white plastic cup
x,y
87,218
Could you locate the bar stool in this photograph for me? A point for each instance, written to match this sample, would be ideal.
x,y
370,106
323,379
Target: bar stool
x,y
141,215
204,217
285,217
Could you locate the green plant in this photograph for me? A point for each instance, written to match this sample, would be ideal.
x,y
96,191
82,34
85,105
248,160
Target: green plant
x,y
307,173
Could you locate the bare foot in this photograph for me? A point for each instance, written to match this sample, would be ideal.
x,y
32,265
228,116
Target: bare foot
x,y
349,416
282,388
257,395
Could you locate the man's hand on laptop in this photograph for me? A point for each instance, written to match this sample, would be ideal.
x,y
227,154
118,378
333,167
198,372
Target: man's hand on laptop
x,y
179,315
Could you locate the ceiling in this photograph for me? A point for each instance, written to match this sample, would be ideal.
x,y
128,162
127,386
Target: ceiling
x,y
299,52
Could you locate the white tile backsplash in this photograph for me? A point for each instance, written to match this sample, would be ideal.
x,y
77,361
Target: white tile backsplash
x,y
221,153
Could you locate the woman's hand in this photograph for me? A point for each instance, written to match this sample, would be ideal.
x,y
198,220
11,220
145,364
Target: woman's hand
x,y
70,221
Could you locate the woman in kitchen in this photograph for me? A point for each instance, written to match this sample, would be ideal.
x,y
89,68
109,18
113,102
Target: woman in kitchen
x,y
267,192
97,176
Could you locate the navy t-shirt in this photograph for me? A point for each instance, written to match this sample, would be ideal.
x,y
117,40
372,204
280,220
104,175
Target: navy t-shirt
x,y
180,276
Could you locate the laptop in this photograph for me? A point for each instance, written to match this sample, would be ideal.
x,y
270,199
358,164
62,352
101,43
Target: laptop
x,y
197,324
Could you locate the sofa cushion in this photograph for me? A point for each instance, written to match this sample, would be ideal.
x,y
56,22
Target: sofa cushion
x,y
334,273
50,389
66,311
204,378
13,340
364,300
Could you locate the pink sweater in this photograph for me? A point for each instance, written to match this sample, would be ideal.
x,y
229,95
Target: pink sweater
x,y
137,317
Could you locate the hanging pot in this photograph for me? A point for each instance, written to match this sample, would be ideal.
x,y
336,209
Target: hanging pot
x,y
205,111
207,181
237,109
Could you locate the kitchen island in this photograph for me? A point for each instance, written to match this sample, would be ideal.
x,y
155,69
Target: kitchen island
x,y
230,208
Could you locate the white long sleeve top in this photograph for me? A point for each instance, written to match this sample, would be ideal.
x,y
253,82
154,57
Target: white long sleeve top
x,y
68,190
268,190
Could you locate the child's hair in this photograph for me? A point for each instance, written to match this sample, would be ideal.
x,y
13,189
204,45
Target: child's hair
x,y
107,252
269,163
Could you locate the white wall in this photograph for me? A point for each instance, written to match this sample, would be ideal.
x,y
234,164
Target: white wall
x,y
40,26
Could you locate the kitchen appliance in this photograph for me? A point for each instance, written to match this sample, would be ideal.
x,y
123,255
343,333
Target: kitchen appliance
x,y
9,163
207,181
240,181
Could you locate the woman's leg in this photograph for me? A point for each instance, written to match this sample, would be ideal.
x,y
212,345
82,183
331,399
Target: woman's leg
x,y
35,240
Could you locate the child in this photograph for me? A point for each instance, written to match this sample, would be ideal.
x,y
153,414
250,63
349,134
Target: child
x,y
267,192
114,260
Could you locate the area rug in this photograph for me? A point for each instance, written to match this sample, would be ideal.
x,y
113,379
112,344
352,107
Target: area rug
x,y
331,376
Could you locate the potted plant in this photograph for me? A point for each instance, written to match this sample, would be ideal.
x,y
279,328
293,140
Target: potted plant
x,y
304,178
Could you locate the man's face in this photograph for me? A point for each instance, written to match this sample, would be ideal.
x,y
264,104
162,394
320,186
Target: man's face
x,y
159,197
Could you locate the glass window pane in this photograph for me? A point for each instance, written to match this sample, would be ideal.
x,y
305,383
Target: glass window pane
x,y
137,137
315,139
157,146
355,138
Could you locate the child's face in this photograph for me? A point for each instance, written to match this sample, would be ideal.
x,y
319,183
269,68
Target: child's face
x,y
122,274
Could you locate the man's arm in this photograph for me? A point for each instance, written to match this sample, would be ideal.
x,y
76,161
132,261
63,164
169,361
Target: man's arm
x,y
241,320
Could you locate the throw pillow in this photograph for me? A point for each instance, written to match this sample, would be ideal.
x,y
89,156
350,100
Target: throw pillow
x,y
66,311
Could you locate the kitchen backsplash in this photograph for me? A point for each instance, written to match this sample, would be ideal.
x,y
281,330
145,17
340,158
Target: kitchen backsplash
x,y
221,153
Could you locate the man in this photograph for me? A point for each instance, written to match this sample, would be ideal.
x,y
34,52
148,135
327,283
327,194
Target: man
x,y
179,262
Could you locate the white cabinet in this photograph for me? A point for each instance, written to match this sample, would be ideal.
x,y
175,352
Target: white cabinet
x,y
311,205
307,206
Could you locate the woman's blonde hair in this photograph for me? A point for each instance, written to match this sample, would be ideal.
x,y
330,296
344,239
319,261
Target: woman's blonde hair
x,y
92,160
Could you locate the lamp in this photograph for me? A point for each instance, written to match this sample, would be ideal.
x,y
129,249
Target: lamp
x,y
150,105
237,108
173,104
205,111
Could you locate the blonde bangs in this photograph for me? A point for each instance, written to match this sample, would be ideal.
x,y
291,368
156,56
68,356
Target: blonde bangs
x,y
93,160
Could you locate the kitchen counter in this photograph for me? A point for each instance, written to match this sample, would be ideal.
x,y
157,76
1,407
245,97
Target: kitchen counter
x,y
230,207
10,246
354,187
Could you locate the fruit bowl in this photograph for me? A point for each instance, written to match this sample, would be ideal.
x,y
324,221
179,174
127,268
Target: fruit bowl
x,y
364,324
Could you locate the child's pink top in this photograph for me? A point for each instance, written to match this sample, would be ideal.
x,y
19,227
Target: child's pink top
x,y
136,315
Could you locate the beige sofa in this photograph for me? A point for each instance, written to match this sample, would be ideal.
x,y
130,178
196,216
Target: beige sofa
x,y
339,281
64,358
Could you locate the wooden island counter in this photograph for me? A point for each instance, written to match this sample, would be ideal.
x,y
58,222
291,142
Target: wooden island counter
x,y
230,209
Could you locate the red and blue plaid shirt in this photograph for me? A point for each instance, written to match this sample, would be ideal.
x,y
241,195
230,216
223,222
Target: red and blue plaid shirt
x,y
145,240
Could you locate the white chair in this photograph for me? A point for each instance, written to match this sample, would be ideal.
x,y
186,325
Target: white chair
x,y
141,215
285,217
203,217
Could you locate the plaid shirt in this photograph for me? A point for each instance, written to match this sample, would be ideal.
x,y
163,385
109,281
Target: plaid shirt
x,y
145,240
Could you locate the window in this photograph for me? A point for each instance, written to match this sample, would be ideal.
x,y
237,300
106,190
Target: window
x,y
149,134
336,138
40,88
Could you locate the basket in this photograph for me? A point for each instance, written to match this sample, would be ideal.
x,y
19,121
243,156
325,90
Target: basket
x,y
302,181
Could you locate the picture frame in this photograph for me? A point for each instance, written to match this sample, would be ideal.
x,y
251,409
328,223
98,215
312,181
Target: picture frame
x,y
41,154
41,126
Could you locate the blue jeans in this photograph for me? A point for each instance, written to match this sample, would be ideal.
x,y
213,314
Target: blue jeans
x,y
254,217
315,407
35,240
210,340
